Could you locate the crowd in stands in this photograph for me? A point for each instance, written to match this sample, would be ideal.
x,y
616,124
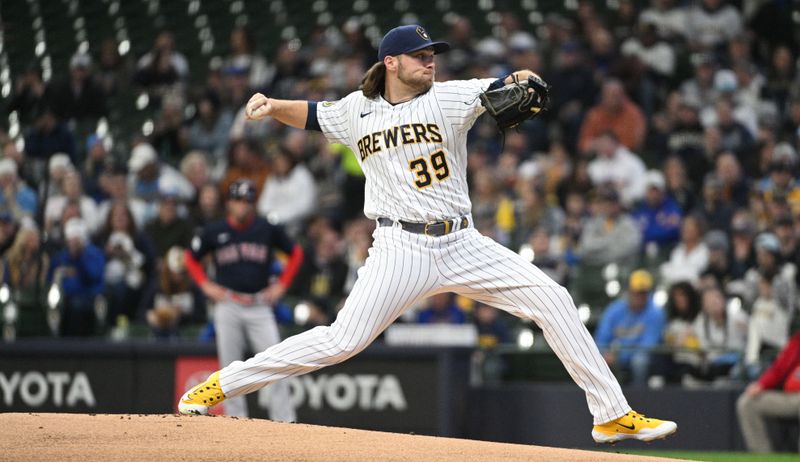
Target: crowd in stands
x,y
661,187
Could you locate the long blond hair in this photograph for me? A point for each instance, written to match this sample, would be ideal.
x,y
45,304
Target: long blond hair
x,y
16,257
374,82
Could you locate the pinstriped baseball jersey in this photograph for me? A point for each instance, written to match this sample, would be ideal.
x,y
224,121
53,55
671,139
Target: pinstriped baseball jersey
x,y
414,154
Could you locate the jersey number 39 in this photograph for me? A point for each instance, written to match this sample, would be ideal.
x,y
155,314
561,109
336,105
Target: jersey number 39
x,y
422,168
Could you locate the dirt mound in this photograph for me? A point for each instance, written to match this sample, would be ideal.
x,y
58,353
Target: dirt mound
x,y
122,437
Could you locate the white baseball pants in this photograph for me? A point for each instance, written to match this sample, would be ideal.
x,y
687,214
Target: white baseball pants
x,y
403,268
237,327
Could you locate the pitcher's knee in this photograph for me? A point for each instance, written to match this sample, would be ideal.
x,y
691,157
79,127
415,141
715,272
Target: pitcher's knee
x,y
338,348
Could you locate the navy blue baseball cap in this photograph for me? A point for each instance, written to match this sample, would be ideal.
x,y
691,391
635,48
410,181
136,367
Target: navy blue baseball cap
x,y
407,39
242,189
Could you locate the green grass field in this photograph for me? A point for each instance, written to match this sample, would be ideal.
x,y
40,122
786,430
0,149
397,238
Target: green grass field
x,y
719,456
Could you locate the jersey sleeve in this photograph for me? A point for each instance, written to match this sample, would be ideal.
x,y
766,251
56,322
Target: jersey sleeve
x,y
334,119
459,100
280,240
200,244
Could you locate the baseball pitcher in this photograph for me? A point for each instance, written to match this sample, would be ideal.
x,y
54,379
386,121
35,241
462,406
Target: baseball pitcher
x,y
409,134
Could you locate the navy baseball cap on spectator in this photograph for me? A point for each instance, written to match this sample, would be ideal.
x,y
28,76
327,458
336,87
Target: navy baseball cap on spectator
x,y
242,190
407,39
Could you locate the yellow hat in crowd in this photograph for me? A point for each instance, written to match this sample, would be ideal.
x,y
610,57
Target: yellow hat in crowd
x,y
640,281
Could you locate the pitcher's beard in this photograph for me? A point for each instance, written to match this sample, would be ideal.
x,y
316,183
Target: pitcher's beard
x,y
420,84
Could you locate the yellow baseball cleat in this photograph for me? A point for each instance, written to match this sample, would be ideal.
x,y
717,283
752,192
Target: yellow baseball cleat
x,y
201,397
633,426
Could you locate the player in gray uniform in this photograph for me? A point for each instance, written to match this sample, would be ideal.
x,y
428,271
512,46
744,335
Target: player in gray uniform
x,y
409,134
242,247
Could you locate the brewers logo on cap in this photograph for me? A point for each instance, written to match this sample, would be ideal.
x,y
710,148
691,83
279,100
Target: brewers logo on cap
x,y
422,33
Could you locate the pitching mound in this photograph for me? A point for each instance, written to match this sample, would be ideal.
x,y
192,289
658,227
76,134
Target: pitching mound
x,y
110,437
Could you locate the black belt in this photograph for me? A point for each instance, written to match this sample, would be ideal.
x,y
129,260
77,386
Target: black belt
x,y
438,228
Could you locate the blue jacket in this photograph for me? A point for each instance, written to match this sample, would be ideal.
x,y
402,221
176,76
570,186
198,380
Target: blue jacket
x,y
83,274
662,224
621,327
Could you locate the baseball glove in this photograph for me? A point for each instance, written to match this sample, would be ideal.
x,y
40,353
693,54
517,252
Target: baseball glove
x,y
513,104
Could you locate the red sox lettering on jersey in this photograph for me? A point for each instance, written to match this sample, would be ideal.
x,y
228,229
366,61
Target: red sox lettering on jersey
x,y
241,252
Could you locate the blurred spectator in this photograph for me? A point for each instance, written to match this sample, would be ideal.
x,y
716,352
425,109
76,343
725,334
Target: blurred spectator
x,y
16,197
169,229
323,273
783,227
617,165
147,175
195,168
770,290
686,140
8,231
58,167
719,260
97,160
743,230
46,137
714,209
659,216
174,301
669,19
114,69
73,192
210,130
735,135
80,97
688,260
614,113
655,56
115,187
78,270
683,306
358,240
163,69
130,264
576,92
722,333
246,160
782,181
441,309
533,211
611,235
624,23
678,185
735,189
25,268
170,135
546,255
630,327
711,23
289,193
781,82
492,331
699,90
28,93
243,55
208,207
485,198
775,395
